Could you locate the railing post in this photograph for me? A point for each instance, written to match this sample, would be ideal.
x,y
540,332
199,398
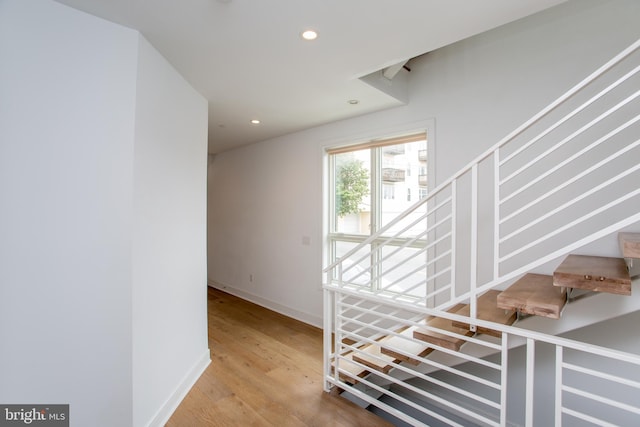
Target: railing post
x,y
473,298
531,353
454,221
376,267
337,335
558,405
504,371
327,321
496,213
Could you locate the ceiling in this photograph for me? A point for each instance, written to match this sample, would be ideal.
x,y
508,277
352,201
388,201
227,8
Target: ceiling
x,y
248,59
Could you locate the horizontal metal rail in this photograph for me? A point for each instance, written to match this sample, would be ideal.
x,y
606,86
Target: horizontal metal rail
x,y
429,379
594,373
576,177
573,223
601,399
570,115
426,394
407,242
590,419
581,130
389,332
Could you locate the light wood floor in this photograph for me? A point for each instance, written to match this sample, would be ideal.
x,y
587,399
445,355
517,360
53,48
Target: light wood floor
x,y
266,370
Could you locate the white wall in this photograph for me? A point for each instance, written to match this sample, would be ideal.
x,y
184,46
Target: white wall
x,y
265,197
170,347
67,104
258,216
102,219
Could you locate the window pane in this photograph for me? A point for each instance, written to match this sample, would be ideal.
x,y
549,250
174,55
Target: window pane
x,y
404,171
405,270
361,206
352,178
355,270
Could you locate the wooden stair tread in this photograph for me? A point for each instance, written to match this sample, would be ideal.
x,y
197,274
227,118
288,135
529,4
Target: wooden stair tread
x,y
418,349
534,294
442,340
377,356
599,274
629,244
488,310
372,357
348,341
352,368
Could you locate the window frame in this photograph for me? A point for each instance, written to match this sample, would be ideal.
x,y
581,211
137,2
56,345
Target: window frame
x,y
376,192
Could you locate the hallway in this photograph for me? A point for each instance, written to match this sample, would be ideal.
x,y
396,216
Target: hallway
x,y
266,369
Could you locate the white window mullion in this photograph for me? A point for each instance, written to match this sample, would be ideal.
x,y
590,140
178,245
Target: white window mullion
x,y
376,197
332,220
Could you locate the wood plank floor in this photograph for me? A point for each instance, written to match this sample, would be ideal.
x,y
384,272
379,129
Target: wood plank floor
x,y
266,370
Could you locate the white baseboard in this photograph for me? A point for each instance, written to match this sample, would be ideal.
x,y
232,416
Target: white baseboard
x,y
169,407
271,305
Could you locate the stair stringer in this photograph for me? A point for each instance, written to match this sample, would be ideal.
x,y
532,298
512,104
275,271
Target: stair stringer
x,y
594,309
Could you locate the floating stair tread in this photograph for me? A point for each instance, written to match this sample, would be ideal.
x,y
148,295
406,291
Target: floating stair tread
x,y
350,367
442,340
374,359
534,294
348,341
488,310
598,274
630,244
406,345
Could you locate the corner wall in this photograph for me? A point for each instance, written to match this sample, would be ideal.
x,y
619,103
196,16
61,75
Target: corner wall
x,y
67,108
102,219
170,348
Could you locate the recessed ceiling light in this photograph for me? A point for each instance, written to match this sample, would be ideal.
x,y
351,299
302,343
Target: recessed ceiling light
x,y
255,122
353,101
309,35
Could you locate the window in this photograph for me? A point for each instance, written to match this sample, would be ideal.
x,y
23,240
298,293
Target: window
x,y
388,191
364,182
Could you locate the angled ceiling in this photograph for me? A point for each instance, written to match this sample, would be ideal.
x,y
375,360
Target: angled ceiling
x,y
248,59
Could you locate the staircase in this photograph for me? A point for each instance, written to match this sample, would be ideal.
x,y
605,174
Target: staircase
x,y
533,294
449,341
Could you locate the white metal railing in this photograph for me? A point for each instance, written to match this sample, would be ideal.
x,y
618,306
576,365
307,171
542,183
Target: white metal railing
x,y
474,389
558,183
